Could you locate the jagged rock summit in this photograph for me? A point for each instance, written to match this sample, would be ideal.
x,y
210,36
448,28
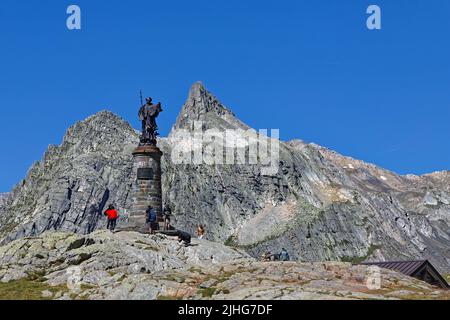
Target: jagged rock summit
x,y
321,206
204,107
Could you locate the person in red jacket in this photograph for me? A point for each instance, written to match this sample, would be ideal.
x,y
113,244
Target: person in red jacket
x,y
112,215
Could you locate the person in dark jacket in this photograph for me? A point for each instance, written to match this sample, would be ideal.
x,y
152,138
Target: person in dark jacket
x,y
184,238
152,220
284,255
167,216
112,215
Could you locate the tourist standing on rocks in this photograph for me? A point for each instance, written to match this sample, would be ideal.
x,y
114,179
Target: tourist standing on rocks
x,y
152,220
167,217
269,256
200,231
266,256
184,238
112,215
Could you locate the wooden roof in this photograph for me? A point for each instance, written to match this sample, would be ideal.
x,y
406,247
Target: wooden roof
x,y
413,269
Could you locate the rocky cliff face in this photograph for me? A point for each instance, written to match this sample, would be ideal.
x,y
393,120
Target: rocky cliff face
x,y
68,189
319,205
3,198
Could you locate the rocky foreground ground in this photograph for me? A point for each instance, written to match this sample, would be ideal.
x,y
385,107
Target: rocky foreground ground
x,y
128,265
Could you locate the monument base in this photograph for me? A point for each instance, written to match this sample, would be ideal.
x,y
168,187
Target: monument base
x,y
147,189
136,223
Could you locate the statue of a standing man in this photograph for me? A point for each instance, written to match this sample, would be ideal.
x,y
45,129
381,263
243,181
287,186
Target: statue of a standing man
x,y
148,114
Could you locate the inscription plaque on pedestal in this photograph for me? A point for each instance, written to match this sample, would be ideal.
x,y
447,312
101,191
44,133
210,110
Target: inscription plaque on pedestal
x,y
145,174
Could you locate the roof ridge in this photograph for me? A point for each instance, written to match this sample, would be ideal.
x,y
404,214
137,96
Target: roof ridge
x,y
396,261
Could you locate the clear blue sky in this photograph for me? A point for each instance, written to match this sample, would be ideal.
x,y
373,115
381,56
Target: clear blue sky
x,y
310,68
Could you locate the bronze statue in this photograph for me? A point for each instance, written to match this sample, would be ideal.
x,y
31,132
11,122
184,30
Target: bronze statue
x,y
148,114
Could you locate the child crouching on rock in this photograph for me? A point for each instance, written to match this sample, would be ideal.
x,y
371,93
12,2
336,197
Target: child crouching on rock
x,y
184,238
200,231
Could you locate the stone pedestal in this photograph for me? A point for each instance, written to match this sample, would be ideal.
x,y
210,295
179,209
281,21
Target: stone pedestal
x,y
147,190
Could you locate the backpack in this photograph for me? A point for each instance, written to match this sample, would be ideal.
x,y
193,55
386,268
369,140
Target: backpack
x,y
151,216
284,256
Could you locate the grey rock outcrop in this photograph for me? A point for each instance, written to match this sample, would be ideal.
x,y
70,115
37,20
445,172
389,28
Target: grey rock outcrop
x,y
129,265
319,205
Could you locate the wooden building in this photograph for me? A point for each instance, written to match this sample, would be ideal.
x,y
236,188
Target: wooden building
x,y
420,269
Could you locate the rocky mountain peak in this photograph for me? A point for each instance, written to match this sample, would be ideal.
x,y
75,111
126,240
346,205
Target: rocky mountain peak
x,y
202,105
75,180
101,122
101,132
439,175
201,101
103,117
319,206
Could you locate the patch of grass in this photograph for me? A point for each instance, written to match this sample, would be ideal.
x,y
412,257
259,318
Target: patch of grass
x,y
225,276
358,260
306,213
151,248
147,246
447,277
208,292
85,286
38,276
414,293
111,273
26,289
79,297
122,278
174,278
231,242
195,270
